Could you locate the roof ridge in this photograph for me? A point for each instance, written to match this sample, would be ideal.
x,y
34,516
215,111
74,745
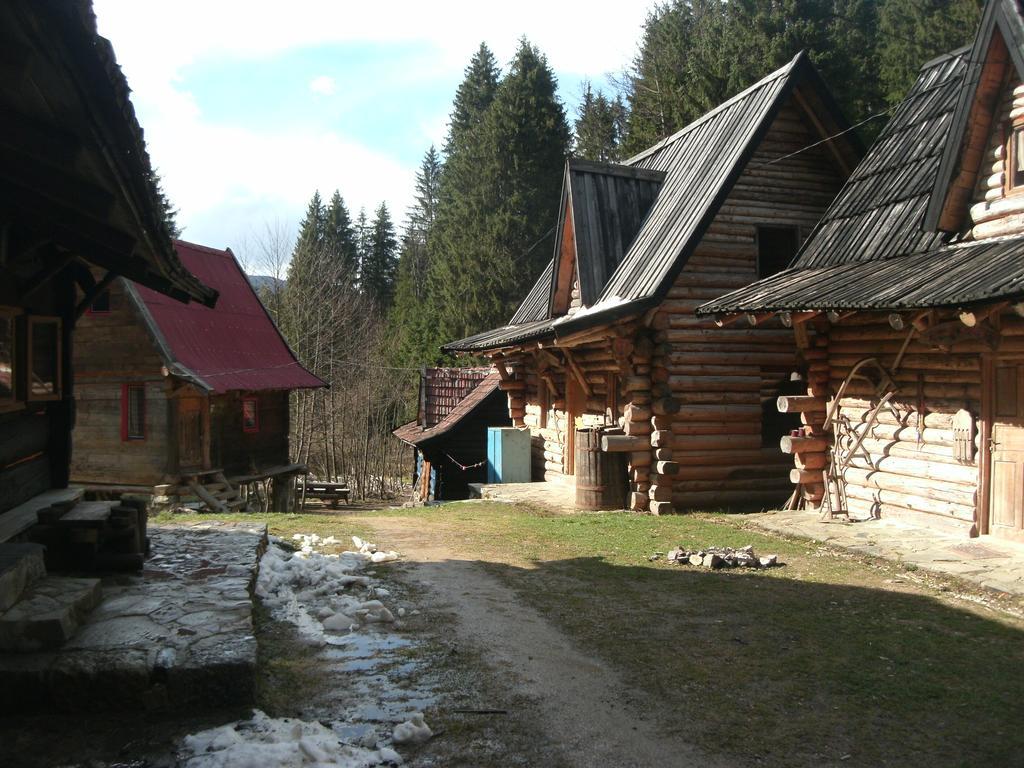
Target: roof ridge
x,y
198,247
783,71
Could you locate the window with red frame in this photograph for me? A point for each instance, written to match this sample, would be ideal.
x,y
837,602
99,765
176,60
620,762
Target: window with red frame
x,y
133,412
250,415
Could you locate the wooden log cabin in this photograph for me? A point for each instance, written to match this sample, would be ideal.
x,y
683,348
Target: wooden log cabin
x,y
907,300
182,394
77,201
449,434
607,338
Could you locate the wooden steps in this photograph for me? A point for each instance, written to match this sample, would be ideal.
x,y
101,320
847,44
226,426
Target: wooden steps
x,y
48,614
215,491
20,566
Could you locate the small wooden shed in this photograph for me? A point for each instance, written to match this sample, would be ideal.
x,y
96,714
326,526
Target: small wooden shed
x,y
607,338
449,435
184,395
908,301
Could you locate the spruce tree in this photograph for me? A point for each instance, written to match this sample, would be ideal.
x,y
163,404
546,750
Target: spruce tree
x,y
380,262
912,32
310,239
597,131
473,97
413,327
339,240
695,54
362,235
499,200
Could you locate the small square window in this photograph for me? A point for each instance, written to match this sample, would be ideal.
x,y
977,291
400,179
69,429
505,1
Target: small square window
x,y
101,304
133,412
250,415
44,358
776,247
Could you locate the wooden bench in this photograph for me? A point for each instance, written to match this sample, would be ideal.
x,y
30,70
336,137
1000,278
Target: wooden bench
x,y
331,492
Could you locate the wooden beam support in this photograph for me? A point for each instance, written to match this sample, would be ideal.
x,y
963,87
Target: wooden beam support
x,y
624,443
835,317
581,379
791,319
756,318
44,275
974,317
92,293
499,365
723,320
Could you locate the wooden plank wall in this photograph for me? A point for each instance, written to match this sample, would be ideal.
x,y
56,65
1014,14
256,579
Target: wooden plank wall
x,y
725,379
238,452
112,349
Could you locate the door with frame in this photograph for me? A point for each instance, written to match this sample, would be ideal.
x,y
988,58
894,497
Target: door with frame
x,y
1006,450
575,405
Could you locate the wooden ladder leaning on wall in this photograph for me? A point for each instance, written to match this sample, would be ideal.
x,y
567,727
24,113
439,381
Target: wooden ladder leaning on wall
x,y
846,440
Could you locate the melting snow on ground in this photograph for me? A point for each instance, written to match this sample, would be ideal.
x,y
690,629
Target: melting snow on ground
x,y
331,601
325,595
268,742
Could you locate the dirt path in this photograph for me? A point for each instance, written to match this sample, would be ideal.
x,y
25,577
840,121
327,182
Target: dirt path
x,y
587,709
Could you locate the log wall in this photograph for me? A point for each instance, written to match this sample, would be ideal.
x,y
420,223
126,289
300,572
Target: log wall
x,y
111,349
997,209
907,465
726,380
546,413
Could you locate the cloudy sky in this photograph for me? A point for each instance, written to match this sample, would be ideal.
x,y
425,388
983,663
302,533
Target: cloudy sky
x,y
250,105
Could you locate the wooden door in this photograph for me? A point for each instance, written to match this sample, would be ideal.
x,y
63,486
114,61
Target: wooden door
x,y
1006,505
190,433
575,404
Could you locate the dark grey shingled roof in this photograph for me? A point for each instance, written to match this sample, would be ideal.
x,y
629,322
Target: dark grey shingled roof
x,y
878,217
700,164
536,305
505,336
954,276
609,206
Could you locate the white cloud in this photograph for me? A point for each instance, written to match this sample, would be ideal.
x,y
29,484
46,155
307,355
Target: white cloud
x,y
220,175
323,85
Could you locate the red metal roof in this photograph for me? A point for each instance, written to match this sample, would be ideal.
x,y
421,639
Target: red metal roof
x,y
234,346
414,434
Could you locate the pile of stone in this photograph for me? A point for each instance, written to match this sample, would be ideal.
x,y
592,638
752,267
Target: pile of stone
x,y
722,557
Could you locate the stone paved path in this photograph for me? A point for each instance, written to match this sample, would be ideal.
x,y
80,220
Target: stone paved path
x,y
178,633
987,562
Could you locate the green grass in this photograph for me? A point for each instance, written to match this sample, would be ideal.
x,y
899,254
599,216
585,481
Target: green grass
x,y
833,657
828,656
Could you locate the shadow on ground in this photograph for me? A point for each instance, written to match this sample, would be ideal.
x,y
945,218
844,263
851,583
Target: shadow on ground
x,y
770,670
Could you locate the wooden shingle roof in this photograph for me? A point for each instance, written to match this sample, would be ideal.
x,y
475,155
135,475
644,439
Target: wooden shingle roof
x,y
873,248
699,164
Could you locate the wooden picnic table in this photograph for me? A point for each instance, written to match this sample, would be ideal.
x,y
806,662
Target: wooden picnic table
x,y
324,491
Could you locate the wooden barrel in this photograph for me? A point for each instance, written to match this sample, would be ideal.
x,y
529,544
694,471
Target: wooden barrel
x,y
600,477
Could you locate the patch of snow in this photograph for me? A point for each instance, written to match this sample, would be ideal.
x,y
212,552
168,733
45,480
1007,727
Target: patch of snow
x,y
268,742
323,595
602,306
412,731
